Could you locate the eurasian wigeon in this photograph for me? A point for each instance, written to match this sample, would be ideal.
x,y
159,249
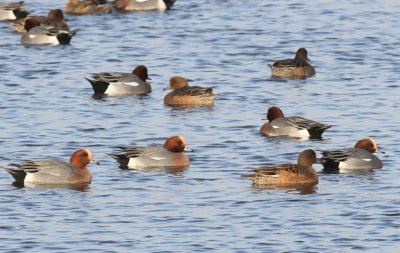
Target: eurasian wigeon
x,y
53,171
171,154
42,34
358,158
288,174
55,17
297,67
183,94
121,84
293,126
13,11
143,5
78,7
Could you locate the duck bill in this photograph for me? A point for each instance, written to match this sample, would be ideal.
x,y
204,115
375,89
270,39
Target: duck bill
x,y
167,88
380,150
94,162
187,149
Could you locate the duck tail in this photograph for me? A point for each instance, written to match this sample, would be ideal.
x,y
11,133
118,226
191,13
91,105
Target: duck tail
x,y
65,37
21,13
317,130
99,87
18,174
122,159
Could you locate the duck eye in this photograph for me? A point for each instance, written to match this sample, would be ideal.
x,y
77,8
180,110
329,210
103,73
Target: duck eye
x,y
179,142
84,155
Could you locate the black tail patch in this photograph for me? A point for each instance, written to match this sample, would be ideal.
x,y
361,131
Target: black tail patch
x,y
17,174
20,13
99,87
123,160
317,131
64,38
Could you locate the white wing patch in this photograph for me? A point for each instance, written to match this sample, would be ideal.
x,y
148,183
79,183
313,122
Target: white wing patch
x,y
132,84
274,126
158,158
32,36
367,159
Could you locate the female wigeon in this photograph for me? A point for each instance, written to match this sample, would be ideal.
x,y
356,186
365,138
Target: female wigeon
x,y
297,67
143,5
55,17
121,84
13,11
288,174
53,171
293,126
42,34
82,7
171,154
183,94
358,158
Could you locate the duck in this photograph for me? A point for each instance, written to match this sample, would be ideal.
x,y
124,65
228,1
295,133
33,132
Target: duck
x,y
83,7
183,94
171,154
360,157
121,84
288,174
297,67
143,5
13,11
55,17
44,34
293,126
54,171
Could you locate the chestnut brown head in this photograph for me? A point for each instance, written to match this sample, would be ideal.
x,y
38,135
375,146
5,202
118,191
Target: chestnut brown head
x,y
141,72
175,144
274,113
367,144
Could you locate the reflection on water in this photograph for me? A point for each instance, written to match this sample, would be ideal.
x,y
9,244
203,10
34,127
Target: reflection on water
x,y
190,106
168,169
359,172
84,187
300,189
287,78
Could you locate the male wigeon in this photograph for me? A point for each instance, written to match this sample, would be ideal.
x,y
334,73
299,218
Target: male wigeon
x,y
143,5
297,67
43,34
358,158
171,154
13,11
288,174
82,7
183,94
293,126
55,17
121,84
53,171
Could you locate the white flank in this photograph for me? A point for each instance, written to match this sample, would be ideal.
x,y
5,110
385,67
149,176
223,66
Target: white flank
x,y
303,133
30,178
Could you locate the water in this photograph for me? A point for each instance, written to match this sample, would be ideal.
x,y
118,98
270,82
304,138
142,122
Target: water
x,y
47,112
